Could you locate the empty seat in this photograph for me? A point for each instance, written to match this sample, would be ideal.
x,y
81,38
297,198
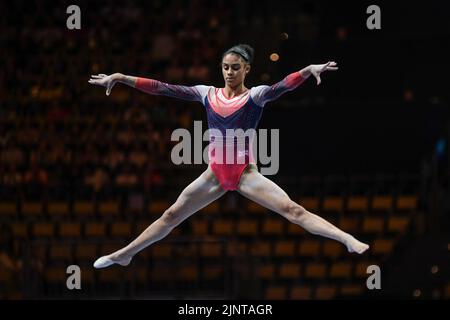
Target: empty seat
x,y
290,270
213,272
265,271
58,208
95,229
56,275
261,249
43,229
211,250
60,251
32,208
349,224
408,202
247,227
325,292
333,203
19,230
352,290
295,229
382,203
70,229
373,225
211,208
8,209
284,248
121,229
84,208
309,248
187,273
272,226
253,207
382,246
161,273
222,227
309,203
300,293
85,252
341,270
200,227
161,250
398,224
315,270
275,293
357,203
108,208
332,249
110,275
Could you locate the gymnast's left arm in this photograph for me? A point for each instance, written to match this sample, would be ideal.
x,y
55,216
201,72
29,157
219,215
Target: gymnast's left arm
x,y
263,94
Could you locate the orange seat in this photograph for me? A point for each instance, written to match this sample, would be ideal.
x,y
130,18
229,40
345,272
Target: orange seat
x,y
357,203
373,225
284,248
382,203
84,208
309,248
261,249
95,229
247,227
290,270
309,203
272,227
222,227
276,293
70,229
43,229
300,293
158,207
8,209
32,208
254,207
315,270
325,292
58,208
265,271
212,208
211,250
349,224
341,270
407,202
382,246
332,249
200,227
333,203
398,224
352,290
108,208
121,229
60,251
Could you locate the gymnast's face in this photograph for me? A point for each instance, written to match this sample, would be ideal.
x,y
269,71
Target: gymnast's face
x,y
234,70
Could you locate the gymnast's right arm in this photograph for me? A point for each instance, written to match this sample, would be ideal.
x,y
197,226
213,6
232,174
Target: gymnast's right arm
x,y
150,86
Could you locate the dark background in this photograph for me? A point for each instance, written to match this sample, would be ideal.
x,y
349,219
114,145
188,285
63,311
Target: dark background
x,y
377,127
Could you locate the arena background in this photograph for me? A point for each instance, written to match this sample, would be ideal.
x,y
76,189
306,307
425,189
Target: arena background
x,y
83,173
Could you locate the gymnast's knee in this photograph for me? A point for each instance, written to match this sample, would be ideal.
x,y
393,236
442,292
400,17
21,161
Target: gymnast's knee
x,y
170,218
294,211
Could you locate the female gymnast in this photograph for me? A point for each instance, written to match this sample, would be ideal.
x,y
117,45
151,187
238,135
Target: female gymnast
x,y
232,107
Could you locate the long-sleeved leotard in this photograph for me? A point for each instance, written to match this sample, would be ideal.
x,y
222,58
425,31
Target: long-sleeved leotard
x,y
227,158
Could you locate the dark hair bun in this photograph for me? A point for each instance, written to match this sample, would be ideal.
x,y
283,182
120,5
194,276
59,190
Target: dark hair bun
x,y
249,50
244,50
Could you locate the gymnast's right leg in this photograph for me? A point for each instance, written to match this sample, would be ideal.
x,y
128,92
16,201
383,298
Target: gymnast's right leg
x,y
201,192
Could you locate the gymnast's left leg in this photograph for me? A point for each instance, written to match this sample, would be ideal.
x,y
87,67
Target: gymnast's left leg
x,y
254,186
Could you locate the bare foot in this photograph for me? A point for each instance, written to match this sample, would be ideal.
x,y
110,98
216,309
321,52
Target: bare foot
x,y
354,245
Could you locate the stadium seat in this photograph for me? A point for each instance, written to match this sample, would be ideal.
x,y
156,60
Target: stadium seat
x,y
300,293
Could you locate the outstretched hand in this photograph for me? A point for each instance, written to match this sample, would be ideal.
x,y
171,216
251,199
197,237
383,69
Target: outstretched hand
x,y
317,69
105,81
